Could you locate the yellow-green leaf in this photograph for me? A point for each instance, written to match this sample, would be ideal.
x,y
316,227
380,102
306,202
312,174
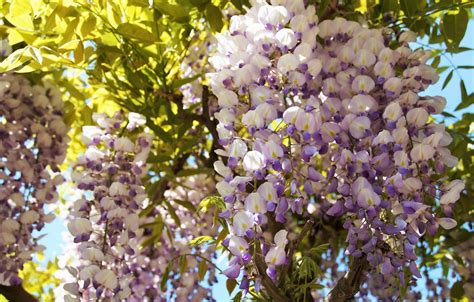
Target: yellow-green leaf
x,y
71,45
454,26
14,60
202,269
178,13
87,26
133,31
214,17
230,285
200,240
36,54
20,14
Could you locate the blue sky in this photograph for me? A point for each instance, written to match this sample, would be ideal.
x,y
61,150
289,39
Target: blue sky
x,y
452,93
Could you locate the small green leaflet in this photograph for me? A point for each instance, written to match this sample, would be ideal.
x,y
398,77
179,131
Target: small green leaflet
x,y
210,201
136,32
200,240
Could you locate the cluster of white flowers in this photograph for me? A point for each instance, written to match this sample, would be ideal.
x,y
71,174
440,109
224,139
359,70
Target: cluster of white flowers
x,y
33,143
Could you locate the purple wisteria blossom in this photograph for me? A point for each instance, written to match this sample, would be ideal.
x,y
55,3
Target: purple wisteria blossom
x,y
105,222
338,126
33,144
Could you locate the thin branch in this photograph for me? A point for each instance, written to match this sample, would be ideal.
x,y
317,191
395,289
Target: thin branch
x,y
329,10
16,293
210,125
349,285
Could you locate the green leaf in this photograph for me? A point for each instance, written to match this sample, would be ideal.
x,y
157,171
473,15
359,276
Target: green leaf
x,y
409,7
178,83
210,201
149,241
133,31
320,249
454,26
237,297
172,213
183,263
214,17
466,66
200,4
177,12
457,290
158,131
160,158
436,61
35,53
316,286
462,49
222,236
141,3
466,100
447,114
14,60
164,277
87,26
20,15
448,78
70,45
202,269
200,240
86,115
390,6
441,69
187,204
230,284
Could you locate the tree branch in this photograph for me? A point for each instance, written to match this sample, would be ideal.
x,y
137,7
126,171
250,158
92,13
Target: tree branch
x,y
349,285
204,118
329,10
16,293
210,125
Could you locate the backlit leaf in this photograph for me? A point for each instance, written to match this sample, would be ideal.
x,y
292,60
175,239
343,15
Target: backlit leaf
x,y
136,32
214,17
454,26
230,285
448,78
200,240
202,270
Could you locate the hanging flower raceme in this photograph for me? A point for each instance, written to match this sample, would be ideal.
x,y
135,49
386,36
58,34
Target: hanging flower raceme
x,y
339,126
170,269
266,58
33,143
105,222
388,156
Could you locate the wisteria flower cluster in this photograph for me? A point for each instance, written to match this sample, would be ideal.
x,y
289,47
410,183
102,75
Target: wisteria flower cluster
x,y
105,222
33,143
329,117
172,253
